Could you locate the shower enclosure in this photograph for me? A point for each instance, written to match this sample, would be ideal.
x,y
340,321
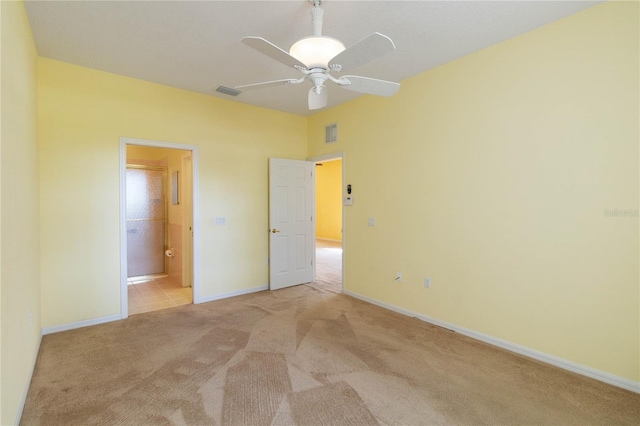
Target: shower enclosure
x,y
146,220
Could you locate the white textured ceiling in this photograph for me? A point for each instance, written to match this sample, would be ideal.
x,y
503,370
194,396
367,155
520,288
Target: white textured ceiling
x,y
195,45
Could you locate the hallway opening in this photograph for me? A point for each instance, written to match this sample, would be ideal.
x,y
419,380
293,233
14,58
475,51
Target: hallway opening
x,y
329,223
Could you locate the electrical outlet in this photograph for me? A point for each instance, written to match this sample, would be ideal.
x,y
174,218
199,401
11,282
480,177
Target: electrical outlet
x,y
399,277
427,282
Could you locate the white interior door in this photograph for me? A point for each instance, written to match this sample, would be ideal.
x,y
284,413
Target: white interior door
x,y
291,222
186,199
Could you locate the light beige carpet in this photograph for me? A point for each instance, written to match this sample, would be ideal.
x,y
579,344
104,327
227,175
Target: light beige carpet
x,y
329,265
306,356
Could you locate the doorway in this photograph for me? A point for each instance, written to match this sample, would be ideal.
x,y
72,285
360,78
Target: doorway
x,y
158,239
329,247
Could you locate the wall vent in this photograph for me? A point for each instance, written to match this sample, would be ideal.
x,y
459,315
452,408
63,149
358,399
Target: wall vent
x,y
228,91
331,133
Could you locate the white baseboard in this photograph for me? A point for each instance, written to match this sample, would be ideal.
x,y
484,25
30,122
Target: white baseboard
x,y
102,320
592,373
329,239
80,324
230,294
25,392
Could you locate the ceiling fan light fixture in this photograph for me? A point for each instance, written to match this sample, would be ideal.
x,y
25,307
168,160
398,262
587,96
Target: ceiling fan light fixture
x,y
312,56
316,51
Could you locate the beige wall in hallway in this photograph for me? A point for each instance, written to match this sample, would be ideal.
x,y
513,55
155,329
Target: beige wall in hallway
x,y
329,200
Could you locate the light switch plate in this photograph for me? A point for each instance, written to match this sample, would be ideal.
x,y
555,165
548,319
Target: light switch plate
x,y
348,200
221,220
371,221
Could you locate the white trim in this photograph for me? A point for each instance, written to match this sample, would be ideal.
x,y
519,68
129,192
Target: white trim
x,y
232,294
25,392
80,324
329,239
187,234
583,370
318,159
327,157
124,308
124,301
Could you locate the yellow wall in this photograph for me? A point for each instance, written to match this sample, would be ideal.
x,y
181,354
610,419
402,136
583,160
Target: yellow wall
x,y
19,252
82,113
329,200
491,175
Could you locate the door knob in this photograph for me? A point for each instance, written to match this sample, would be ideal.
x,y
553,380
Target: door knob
x,y
274,230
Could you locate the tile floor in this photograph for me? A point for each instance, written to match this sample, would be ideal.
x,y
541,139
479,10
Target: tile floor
x,y
152,294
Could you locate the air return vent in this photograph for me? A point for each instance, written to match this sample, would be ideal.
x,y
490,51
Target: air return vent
x,y
331,133
228,91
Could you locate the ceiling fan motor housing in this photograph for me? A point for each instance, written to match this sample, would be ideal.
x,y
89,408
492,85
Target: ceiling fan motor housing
x,y
318,79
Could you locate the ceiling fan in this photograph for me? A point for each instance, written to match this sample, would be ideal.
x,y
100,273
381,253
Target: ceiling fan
x,y
317,56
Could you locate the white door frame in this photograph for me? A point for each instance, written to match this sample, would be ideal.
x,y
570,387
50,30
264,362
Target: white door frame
x,y
124,300
319,159
187,234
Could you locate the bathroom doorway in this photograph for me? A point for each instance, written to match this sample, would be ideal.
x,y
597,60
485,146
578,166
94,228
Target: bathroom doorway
x,y
159,214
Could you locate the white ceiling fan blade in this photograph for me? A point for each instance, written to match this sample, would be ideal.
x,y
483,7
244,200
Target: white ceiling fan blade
x,y
317,101
271,50
372,86
265,84
365,50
